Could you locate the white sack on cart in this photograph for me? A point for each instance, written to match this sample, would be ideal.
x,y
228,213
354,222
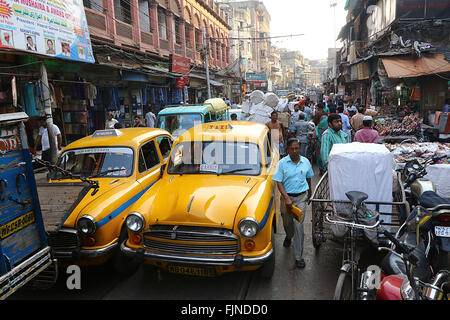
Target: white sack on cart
x,y
246,105
257,97
258,118
271,100
364,167
439,174
282,105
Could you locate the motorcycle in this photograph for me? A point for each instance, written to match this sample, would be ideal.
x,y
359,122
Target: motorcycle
x,y
421,191
413,179
405,273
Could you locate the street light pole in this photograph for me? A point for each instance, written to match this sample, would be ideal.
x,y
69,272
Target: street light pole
x,y
206,50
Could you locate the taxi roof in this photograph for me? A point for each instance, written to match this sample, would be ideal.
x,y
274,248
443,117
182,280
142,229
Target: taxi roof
x,y
234,130
184,109
132,137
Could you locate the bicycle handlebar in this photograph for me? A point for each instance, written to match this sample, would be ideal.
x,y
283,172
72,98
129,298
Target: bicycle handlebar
x,y
352,224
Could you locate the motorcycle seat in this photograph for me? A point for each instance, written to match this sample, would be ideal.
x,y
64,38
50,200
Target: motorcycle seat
x,y
430,199
393,264
356,197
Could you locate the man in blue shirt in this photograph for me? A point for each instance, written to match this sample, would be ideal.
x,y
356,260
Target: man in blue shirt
x,y
346,127
293,176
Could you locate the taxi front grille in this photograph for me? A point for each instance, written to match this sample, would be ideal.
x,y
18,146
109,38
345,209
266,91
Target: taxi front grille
x,y
63,239
191,240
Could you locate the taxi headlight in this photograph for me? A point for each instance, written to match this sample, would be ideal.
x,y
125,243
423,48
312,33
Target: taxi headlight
x,y
86,225
135,222
248,227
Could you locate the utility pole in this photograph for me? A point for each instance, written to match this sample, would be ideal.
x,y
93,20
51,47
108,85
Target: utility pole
x,y
240,69
206,49
48,113
333,5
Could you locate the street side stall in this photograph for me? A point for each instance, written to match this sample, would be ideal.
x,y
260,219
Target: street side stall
x,y
438,156
397,129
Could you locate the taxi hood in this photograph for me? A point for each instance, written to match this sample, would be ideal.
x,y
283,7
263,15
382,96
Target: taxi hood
x,y
110,191
202,200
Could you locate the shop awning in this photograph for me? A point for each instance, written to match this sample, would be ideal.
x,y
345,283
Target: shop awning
x,y
407,67
216,83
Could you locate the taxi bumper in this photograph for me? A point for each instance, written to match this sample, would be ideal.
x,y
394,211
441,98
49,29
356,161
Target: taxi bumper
x,y
236,260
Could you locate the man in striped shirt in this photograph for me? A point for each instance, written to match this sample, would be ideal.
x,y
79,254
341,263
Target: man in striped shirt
x,y
331,136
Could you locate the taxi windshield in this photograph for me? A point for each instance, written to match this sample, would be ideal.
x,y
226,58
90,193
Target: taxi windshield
x,y
215,157
177,124
108,162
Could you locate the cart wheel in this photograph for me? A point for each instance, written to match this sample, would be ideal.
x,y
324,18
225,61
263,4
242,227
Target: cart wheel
x,y
343,289
317,237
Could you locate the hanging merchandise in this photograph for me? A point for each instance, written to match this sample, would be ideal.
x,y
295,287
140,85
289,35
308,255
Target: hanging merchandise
x,y
152,96
14,91
144,96
176,96
30,101
115,98
415,93
91,93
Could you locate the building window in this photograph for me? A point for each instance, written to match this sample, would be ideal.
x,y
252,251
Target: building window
x,y
122,10
187,32
177,33
94,5
162,24
144,15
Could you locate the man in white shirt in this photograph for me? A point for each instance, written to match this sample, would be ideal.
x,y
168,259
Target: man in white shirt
x,y
150,118
109,124
43,140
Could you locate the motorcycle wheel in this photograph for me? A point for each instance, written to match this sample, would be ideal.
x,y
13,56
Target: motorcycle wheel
x,y
343,289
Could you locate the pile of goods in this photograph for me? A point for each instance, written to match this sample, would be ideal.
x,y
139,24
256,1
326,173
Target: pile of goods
x,y
419,150
410,125
259,107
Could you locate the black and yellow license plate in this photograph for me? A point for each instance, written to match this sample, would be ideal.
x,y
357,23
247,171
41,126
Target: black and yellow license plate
x,y
192,270
17,224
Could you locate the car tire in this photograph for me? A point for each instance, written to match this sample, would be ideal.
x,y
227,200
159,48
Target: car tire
x,y
267,270
122,263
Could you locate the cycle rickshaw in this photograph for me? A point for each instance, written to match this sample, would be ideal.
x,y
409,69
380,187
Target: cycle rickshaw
x,y
329,223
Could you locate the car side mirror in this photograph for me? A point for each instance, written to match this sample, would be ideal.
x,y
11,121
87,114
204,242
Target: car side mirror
x,y
163,167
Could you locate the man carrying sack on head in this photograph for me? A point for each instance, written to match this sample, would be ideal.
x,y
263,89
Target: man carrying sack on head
x,y
293,176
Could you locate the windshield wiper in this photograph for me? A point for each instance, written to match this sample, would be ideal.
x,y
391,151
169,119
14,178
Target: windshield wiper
x,y
233,171
101,174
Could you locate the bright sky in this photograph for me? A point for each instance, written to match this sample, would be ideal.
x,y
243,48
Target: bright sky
x,y
313,18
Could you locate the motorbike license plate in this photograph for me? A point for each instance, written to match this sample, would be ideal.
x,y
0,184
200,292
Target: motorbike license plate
x,y
442,231
192,271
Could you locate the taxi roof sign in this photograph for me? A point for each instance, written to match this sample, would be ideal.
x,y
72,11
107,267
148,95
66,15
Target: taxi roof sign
x,y
107,133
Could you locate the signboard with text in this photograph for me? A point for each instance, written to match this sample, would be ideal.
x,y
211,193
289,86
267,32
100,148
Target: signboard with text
x,y
180,65
56,28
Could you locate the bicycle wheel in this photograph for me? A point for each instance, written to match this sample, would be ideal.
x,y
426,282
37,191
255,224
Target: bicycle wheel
x,y
343,289
317,237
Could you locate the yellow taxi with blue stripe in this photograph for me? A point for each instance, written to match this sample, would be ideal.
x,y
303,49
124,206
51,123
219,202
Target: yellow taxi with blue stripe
x,y
213,210
126,164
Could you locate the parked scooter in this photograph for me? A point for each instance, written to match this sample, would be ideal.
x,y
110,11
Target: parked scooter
x,y
405,272
414,182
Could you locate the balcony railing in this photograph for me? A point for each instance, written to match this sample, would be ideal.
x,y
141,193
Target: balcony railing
x,y
164,44
178,49
146,38
124,30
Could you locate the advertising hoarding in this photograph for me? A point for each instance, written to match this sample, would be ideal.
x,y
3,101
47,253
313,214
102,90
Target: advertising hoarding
x,y
56,28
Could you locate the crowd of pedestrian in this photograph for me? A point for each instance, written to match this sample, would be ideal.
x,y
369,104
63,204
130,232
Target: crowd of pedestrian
x,y
329,123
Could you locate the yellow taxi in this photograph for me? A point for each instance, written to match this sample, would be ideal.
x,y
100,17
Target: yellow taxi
x,y
212,211
126,164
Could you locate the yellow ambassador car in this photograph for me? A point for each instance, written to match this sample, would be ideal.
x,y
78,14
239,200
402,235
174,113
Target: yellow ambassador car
x,y
126,163
213,209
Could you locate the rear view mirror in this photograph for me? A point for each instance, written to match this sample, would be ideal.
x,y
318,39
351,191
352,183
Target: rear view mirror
x,y
163,167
